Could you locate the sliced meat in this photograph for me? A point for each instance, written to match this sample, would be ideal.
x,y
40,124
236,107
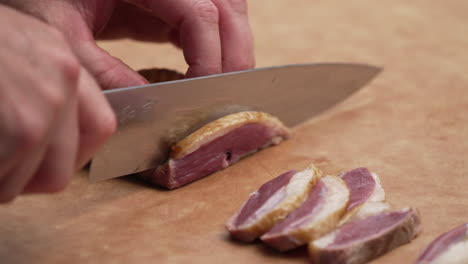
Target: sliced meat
x,y
449,248
367,197
361,185
367,209
155,75
271,203
362,240
320,213
216,146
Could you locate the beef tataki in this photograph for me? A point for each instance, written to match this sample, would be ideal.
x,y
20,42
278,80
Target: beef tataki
x,y
271,203
217,145
362,240
320,213
367,197
449,248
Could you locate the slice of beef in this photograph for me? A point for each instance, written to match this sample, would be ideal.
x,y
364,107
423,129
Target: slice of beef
x,y
367,197
320,213
362,240
216,146
449,248
271,203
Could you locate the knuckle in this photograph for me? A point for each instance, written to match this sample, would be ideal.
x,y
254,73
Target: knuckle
x,y
242,64
56,35
213,69
206,11
69,68
55,98
31,132
62,59
239,6
106,126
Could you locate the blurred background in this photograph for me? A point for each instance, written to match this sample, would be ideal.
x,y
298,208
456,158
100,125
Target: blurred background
x,y
388,33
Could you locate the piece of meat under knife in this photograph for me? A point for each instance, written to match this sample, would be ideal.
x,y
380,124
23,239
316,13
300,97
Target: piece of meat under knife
x,y
216,146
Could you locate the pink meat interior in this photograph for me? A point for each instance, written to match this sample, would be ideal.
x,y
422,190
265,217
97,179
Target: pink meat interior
x,y
368,227
443,242
361,185
222,151
305,213
259,198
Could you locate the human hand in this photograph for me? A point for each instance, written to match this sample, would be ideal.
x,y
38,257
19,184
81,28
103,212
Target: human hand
x,y
214,35
48,134
42,140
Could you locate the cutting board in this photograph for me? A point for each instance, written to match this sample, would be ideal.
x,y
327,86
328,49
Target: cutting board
x,y
410,125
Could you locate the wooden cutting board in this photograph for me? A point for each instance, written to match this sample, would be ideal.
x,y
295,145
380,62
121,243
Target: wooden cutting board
x,y
410,126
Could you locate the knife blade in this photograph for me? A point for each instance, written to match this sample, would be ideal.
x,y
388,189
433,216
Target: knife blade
x,y
153,117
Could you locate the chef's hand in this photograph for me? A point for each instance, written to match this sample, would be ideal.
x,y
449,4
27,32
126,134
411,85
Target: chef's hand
x,y
214,35
50,112
43,91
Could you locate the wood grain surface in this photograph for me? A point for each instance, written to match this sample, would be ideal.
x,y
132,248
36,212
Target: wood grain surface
x,y
410,125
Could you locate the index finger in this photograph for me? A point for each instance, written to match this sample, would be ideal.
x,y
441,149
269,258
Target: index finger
x,y
198,24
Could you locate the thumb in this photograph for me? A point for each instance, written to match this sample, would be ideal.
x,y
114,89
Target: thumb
x,y
108,71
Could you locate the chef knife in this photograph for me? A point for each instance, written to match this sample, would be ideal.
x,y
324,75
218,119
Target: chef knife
x,y
153,117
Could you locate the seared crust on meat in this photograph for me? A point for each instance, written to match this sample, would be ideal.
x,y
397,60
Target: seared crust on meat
x,y
364,250
449,247
224,125
326,218
296,193
375,204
